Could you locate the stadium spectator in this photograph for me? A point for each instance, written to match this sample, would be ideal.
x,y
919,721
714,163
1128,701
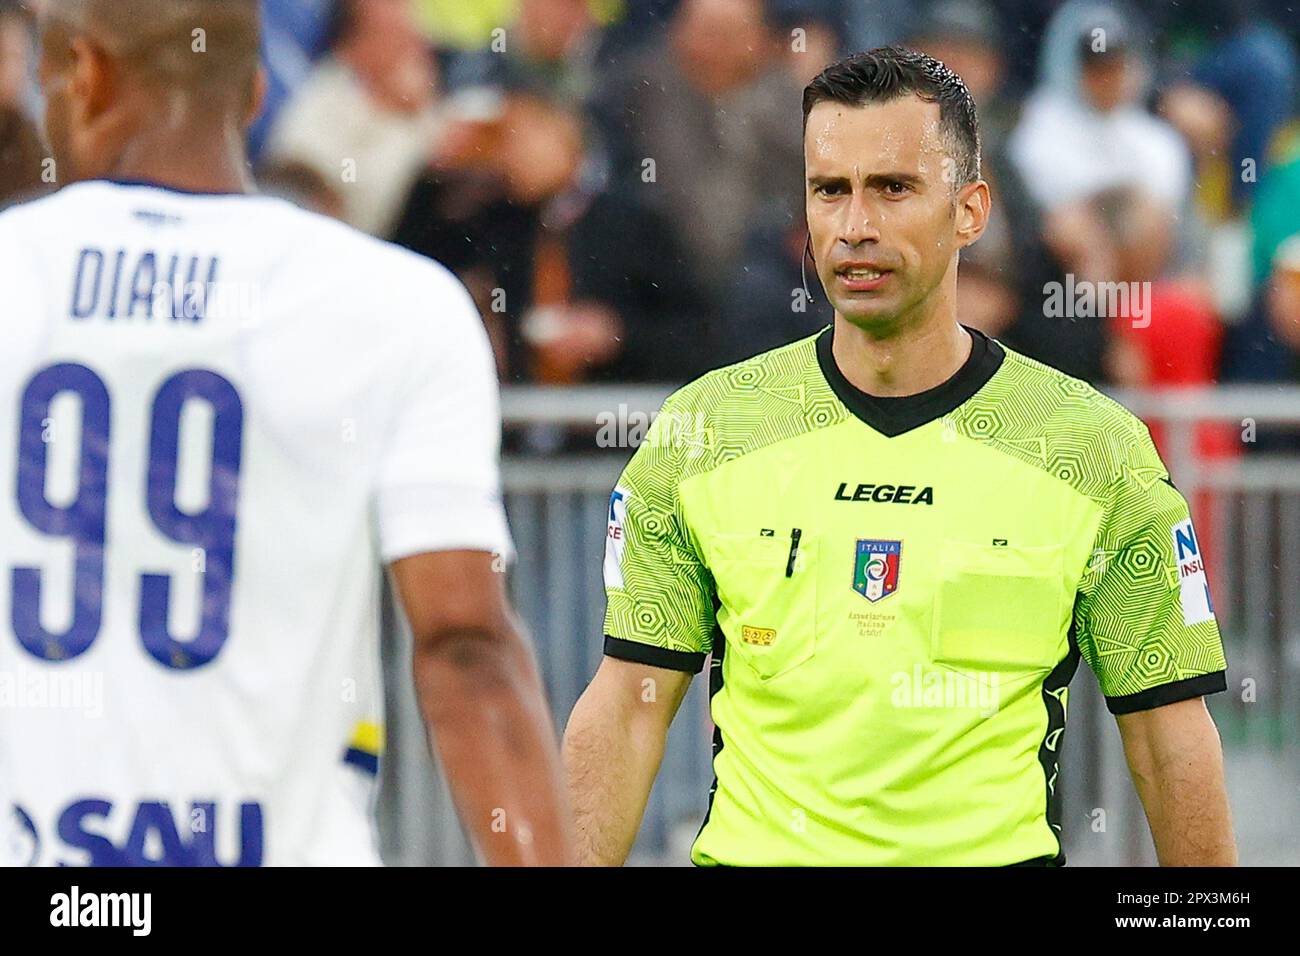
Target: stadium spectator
x,y
1111,180
576,281
770,301
16,53
1234,101
812,34
1001,280
635,26
699,126
1276,215
1001,277
1230,105
302,186
462,25
293,37
1279,340
877,22
966,35
367,118
21,151
1177,343
1282,299
21,155
1254,353
550,47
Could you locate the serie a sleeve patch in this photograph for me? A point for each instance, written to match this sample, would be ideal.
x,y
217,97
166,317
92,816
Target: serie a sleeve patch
x,y
1193,584
615,538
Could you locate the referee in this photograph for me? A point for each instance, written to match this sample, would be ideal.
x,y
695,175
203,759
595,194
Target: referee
x,y
896,539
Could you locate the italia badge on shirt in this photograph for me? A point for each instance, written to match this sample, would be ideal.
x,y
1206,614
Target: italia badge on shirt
x,y
875,569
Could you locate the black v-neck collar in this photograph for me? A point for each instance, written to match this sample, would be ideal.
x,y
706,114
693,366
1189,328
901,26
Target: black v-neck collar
x,y
892,416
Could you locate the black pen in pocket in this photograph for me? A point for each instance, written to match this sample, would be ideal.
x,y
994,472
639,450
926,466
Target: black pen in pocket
x,y
795,534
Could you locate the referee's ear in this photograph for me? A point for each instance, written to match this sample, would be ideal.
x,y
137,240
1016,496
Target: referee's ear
x,y
974,203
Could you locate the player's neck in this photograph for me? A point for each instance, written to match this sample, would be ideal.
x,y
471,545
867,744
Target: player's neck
x,y
209,159
908,361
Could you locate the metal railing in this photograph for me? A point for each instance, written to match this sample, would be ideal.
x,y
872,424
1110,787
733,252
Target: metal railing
x,y
1248,504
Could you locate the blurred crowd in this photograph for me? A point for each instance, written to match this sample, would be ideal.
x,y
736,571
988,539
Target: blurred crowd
x,y
618,182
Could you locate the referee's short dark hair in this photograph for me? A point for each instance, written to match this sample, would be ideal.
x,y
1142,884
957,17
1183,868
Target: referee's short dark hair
x,y
887,73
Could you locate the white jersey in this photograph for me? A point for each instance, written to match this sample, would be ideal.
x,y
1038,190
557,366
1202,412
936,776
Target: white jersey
x,y
219,417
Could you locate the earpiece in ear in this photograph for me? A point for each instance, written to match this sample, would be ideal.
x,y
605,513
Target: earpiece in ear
x,y
803,265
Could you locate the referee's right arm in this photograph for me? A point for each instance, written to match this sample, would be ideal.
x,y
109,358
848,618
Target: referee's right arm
x,y
612,750
658,629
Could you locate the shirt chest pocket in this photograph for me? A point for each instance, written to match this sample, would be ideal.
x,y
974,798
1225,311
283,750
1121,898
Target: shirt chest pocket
x,y
769,616
999,607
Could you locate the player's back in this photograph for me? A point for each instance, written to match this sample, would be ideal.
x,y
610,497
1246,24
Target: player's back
x,y
218,414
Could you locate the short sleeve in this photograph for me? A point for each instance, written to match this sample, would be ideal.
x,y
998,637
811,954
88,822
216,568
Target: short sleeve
x,y
438,486
660,607
1144,619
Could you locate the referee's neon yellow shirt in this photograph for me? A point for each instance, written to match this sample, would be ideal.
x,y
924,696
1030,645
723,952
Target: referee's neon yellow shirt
x,y
896,593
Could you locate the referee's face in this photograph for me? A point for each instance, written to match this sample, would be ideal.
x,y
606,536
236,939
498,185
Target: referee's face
x,y
885,217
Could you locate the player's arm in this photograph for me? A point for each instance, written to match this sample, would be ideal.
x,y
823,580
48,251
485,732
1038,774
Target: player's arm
x,y
612,750
483,703
1176,761
443,531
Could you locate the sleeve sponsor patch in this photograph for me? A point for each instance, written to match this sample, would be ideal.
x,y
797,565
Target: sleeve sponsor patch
x,y
615,539
1193,585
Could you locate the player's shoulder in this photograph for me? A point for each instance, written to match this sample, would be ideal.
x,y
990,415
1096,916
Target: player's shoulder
x,y
19,216
268,223
401,294
411,307
22,225
345,251
1060,423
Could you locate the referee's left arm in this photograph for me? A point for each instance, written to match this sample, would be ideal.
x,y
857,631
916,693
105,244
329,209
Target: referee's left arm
x,y
1176,761
1146,625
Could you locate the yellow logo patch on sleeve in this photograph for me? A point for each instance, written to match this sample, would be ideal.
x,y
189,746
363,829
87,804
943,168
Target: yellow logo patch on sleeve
x,y
762,636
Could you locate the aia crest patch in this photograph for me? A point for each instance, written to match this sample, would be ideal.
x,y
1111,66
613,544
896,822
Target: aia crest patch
x,y
875,568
